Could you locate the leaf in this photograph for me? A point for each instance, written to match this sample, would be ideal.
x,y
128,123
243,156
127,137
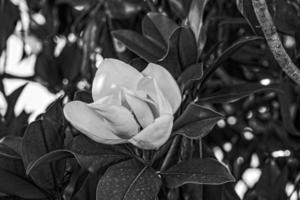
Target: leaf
x,y
17,125
272,182
192,73
93,156
196,21
13,143
47,71
85,96
180,8
9,15
158,28
69,61
15,185
52,156
140,45
8,152
171,58
128,180
196,121
228,53
187,47
197,171
237,92
123,9
246,9
54,112
41,137
11,102
285,104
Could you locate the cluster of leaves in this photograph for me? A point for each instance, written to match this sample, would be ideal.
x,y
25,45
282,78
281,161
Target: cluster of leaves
x,y
214,49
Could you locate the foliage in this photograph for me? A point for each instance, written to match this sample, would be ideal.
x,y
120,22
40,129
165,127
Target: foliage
x,y
237,102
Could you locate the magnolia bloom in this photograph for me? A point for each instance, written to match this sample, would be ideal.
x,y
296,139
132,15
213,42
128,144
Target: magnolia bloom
x,y
129,106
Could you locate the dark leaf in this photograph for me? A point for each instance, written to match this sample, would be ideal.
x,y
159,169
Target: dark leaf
x,y
197,171
171,58
11,101
47,71
187,47
286,116
128,180
123,9
272,182
140,45
13,143
84,96
8,152
196,22
180,8
139,64
234,93
18,125
55,113
228,53
192,73
69,61
15,185
196,121
41,137
158,28
246,9
93,156
50,157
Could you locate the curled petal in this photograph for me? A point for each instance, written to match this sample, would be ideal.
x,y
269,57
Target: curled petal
x,y
154,135
149,86
140,108
113,73
166,83
120,120
90,123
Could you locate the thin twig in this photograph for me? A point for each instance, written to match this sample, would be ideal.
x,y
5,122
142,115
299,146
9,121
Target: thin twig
x,y
265,20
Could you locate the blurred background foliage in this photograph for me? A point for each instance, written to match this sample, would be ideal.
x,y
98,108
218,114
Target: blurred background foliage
x,y
214,48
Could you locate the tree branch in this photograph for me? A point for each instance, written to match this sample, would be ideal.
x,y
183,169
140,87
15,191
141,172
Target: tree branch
x,y
265,20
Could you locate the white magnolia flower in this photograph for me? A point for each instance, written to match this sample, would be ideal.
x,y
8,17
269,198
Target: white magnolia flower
x,y
128,106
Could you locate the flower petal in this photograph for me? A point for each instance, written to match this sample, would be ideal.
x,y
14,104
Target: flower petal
x,y
154,135
113,73
120,120
166,83
90,123
149,86
140,108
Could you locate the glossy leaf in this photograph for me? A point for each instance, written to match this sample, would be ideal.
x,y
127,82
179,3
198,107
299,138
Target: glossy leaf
x,y
14,185
140,45
187,48
41,137
93,156
196,22
234,93
12,143
228,53
171,59
196,121
192,73
158,28
128,180
197,171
